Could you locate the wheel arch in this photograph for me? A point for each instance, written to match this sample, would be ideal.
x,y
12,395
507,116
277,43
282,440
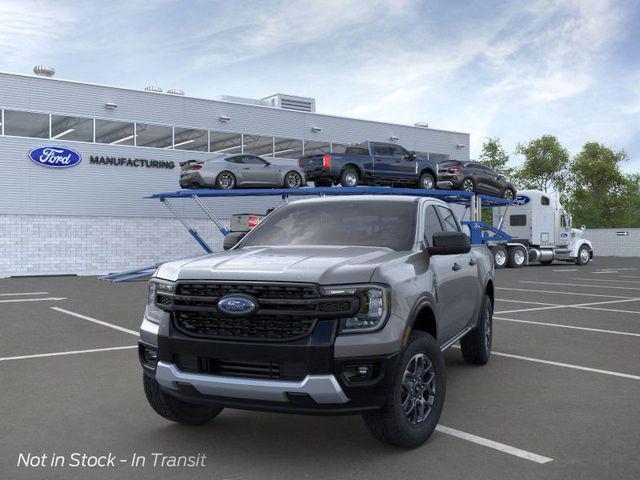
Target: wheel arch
x,y
423,319
353,166
430,171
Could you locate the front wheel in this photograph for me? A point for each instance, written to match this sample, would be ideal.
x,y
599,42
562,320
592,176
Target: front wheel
x,y
415,399
293,180
508,194
174,409
476,345
427,182
584,255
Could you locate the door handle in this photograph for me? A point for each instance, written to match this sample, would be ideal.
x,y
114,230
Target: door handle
x,y
456,267
472,261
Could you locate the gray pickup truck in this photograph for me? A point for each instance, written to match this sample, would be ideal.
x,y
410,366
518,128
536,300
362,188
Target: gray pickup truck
x,y
338,305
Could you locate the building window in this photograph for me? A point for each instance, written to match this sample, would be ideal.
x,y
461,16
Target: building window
x,y
157,136
338,147
115,133
287,148
225,142
190,139
26,124
316,148
258,145
71,128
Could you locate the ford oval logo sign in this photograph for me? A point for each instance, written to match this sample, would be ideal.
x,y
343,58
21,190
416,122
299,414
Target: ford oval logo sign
x,y
521,200
55,157
237,305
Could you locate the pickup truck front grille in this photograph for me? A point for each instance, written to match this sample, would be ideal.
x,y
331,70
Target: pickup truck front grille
x,y
258,327
285,311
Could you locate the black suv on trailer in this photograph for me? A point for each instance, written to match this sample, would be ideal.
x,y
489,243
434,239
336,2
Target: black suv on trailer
x,y
474,177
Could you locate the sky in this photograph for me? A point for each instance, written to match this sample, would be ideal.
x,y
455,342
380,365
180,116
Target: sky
x,y
509,69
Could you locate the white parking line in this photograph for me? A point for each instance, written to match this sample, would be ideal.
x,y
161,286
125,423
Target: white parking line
x,y
26,293
581,285
634,312
629,276
485,442
566,270
576,305
572,327
95,320
72,352
605,280
47,299
522,301
561,293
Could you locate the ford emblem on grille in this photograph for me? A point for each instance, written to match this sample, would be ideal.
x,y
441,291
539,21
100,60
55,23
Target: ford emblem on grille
x,y
237,305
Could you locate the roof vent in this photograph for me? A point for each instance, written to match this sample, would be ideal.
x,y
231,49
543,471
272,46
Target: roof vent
x,y
291,102
244,100
43,71
153,88
422,124
175,91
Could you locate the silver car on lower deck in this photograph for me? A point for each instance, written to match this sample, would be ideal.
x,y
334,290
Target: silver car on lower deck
x,y
241,170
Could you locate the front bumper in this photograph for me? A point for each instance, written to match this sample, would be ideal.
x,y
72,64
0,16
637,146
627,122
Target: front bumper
x,y
309,380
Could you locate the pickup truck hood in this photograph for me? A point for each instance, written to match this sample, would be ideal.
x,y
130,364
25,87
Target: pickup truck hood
x,y
322,265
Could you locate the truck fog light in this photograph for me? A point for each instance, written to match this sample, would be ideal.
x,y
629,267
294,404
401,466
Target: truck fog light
x,y
363,371
150,356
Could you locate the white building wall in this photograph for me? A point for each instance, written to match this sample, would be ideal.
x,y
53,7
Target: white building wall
x,y
612,242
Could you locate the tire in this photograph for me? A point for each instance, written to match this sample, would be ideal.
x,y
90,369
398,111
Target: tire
x,y
390,424
349,177
500,256
174,409
476,345
468,185
226,180
517,257
427,182
584,255
292,180
508,194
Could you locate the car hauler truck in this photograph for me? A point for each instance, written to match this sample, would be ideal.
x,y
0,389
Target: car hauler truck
x,y
540,231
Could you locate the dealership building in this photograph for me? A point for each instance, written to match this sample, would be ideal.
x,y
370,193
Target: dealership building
x,y
92,218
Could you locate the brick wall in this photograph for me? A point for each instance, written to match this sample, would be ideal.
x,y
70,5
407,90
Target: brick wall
x,y
611,242
51,245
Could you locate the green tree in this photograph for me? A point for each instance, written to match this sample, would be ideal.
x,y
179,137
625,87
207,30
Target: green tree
x,y
600,194
545,164
494,156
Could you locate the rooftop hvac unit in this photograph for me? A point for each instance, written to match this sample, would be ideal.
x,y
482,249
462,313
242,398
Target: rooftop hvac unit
x,y
153,88
175,91
244,100
291,102
43,71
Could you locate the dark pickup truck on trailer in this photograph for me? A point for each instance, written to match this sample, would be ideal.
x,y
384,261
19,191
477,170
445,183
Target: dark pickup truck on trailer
x,y
331,305
371,163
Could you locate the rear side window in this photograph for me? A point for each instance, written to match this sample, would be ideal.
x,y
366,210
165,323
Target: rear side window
x,y
517,220
449,222
431,225
238,159
357,151
383,150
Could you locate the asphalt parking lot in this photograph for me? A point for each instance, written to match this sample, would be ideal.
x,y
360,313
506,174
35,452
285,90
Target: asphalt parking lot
x,y
558,399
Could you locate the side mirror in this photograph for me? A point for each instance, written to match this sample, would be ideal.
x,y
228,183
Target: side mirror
x,y
411,156
449,243
231,239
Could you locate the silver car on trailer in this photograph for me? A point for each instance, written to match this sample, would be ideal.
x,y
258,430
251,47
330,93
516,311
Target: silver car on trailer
x,y
241,170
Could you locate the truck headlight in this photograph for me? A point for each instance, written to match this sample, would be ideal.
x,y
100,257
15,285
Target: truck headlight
x,y
157,287
373,311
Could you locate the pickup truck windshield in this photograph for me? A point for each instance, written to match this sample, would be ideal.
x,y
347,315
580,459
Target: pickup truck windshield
x,y
354,223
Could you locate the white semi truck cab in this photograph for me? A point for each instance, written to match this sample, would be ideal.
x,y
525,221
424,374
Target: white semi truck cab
x,y
541,232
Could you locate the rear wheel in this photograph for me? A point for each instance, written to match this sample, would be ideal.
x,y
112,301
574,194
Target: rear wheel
x,y
468,185
500,256
293,180
174,409
517,257
508,194
476,345
584,255
225,180
414,403
427,181
349,178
